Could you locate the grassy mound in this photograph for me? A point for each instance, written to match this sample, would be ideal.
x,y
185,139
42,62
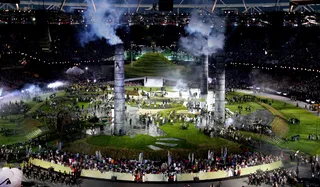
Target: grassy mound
x,y
152,64
30,124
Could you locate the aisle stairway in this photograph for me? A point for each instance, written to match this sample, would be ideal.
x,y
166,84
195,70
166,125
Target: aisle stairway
x,y
33,134
45,39
276,140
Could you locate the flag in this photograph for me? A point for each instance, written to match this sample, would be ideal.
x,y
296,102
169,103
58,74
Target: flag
x,y
225,152
60,146
212,155
192,157
169,158
27,151
30,151
189,157
140,158
99,155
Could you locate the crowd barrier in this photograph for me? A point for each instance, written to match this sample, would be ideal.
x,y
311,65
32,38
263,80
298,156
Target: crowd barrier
x,y
157,177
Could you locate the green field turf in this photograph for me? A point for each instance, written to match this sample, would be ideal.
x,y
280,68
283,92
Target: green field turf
x,y
309,124
85,105
23,128
190,140
254,107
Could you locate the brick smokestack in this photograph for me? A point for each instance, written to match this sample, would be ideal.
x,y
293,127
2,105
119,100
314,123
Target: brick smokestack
x,y
220,88
119,94
204,75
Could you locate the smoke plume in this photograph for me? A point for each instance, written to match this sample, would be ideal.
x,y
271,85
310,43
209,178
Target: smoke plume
x,y
205,35
102,22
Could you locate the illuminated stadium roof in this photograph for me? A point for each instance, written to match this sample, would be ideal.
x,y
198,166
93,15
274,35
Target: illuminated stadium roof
x,y
237,6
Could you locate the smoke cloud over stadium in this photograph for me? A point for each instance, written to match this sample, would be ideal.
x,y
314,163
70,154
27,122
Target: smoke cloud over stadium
x,y
103,21
205,35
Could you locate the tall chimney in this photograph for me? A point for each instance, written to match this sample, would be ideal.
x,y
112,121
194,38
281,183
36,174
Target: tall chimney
x,y
204,76
220,88
119,94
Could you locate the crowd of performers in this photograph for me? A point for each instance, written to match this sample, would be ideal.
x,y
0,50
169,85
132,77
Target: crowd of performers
x,y
280,177
49,175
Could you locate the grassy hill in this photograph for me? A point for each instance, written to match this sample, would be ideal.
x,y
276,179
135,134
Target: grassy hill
x,y
153,64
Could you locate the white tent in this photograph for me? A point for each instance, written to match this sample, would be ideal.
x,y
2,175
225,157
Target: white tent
x,y
74,71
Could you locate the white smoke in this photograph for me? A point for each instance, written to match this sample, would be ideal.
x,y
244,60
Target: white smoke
x,y
229,122
102,22
205,35
181,85
31,88
13,175
56,84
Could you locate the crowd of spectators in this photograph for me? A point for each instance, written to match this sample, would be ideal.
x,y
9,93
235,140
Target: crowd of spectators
x,y
256,45
233,162
302,85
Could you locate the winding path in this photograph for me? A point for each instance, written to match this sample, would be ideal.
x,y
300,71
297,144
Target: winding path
x,y
280,98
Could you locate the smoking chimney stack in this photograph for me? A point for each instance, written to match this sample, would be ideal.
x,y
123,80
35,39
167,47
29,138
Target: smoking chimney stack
x,y
119,94
204,76
220,88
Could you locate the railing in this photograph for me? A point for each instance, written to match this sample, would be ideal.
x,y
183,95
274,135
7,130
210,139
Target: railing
x,y
156,177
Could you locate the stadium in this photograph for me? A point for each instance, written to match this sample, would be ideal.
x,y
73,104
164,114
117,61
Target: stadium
x,y
159,93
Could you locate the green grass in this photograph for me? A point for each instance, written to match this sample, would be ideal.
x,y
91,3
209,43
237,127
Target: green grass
x,y
31,104
12,139
35,107
190,139
139,142
254,106
152,64
62,102
85,104
256,136
309,124
23,127
193,136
